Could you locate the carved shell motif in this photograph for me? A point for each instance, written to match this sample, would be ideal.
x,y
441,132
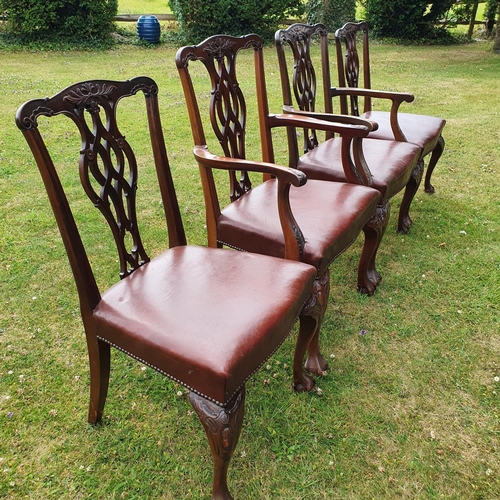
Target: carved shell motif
x,y
87,93
219,47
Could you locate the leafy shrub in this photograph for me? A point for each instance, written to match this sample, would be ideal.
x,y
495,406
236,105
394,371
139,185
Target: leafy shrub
x,y
406,19
333,14
75,20
199,19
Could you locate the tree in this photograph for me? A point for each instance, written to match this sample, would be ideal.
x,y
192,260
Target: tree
x,y
332,13
406,19
496,41
490,12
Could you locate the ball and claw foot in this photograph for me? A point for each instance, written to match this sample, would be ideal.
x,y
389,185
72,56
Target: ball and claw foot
x,y
304,384
316,364
405,225
369,286
430,189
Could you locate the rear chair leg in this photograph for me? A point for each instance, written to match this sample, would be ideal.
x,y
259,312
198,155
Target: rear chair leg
x,y
404,221
100,360
368,276
435,155
222,426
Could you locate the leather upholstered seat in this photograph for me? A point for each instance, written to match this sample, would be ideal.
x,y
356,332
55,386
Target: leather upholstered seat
x,y
207,318
389,162
252,223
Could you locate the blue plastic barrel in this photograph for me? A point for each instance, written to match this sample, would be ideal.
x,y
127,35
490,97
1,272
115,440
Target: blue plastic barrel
x,y
148,28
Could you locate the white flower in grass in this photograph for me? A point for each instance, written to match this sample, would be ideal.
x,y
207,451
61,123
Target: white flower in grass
x,y
496,379
179,393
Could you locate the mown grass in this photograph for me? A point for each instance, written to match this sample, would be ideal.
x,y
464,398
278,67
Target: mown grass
x,y
409,410
143,7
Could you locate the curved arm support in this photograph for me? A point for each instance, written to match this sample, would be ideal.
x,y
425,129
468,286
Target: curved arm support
x,y
397,99
284,174
286,177
332,117
305,120
378,94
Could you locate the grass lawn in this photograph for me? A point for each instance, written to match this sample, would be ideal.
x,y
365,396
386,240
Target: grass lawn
x,y
143,7
408,411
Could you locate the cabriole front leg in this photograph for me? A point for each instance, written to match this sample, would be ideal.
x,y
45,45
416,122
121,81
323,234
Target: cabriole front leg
x,y
222,426
311,318
368,276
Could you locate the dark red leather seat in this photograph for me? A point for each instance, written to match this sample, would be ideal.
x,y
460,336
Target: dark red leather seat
x,y
207,318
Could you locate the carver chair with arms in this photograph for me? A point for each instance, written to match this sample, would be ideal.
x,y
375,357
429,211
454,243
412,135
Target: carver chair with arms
x,y
206,318
329,216
393,165
422,130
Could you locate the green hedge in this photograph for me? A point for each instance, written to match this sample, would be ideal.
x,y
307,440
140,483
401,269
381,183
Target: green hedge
x,y
75,20
199,19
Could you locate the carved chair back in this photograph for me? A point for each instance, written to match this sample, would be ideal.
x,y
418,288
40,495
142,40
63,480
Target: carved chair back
x,y
107,170
350,66
227,110
294,53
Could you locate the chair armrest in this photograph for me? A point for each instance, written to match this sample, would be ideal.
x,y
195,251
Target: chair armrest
x,y
397,99
332,117
304,119
351,134
379,94
285,176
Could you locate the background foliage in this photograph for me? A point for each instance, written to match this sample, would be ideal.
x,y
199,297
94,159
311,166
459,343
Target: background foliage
x,y
199,19
331,13
406,19
78,20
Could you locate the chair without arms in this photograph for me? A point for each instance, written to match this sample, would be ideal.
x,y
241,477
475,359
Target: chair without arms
x,y
422,130
206,318
327,217
394,165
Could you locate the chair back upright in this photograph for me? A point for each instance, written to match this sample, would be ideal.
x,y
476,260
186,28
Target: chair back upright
x,y
349,65
108,173
293,45
228,116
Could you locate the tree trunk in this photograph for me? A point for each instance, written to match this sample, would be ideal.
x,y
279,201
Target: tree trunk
x,y
496,41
